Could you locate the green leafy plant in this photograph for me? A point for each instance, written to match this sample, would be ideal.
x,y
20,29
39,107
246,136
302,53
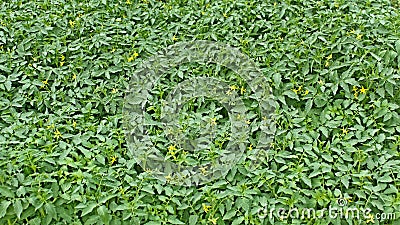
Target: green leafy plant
x,y
64,68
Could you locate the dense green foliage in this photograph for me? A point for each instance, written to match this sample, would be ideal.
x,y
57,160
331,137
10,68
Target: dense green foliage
x,y
64,67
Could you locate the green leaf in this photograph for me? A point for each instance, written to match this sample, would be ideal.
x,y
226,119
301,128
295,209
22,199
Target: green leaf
x,y
5,69
277,79
231,213
307,181
291,95
174,220
104,214
385,179
193,219
3,208
89,208
148,189
50,210
6,192
152,223
345,181
327,157
238,220
18,208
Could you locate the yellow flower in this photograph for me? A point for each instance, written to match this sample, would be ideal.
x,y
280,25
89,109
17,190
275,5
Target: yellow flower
x,y
359,36
250,147
213,121
61,63
113,50
225,15
72,23
174,38
130,59
74,124
74,77
50,126
203,170
371,219
114,91
168,177
233,87
242,90
113,159
206,208
45,82
229,92
327,63
329,57
172,148
306,92
355,94
57,134
363,90
171,151
128,2
213,220
345,131
300,87
133,57
248,122
355,89
271,144
321,82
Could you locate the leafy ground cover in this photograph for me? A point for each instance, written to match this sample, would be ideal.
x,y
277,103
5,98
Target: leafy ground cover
x,y
64,67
